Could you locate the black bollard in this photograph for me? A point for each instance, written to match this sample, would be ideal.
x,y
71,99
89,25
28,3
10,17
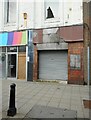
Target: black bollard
x,y
12,109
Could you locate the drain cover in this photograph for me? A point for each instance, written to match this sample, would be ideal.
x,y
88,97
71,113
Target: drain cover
x,y
50,112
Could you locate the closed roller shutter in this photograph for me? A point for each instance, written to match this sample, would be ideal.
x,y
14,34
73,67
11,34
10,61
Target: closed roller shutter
x,y
53,65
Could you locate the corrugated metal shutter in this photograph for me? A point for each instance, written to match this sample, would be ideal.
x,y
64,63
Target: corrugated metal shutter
x,y
53,65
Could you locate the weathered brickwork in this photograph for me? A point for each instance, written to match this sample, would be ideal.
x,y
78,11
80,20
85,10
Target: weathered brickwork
x,y
72,33
75,47
37,39
35,65
90,37
38,36
87,37
75,76
90,62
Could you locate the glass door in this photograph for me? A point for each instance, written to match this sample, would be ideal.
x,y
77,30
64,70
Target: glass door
x,y
11,68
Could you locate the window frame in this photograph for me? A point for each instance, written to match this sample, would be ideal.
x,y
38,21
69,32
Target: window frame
x,y
51,20
6,13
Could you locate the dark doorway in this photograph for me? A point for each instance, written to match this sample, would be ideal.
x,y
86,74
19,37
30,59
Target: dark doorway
x,y
11,65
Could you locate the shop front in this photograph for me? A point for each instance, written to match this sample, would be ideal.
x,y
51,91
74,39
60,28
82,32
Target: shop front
x,y
14,55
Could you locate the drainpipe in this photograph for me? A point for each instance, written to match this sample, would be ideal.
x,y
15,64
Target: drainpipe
x,y
88,65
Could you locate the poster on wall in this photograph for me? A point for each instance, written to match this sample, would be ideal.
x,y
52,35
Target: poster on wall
x,y
75,61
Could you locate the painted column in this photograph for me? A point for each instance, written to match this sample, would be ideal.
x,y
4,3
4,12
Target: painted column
x,y
30,57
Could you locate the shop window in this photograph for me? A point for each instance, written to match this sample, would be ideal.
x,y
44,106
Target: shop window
x,y
3,49
10,11
3,56
12,49
51,8
22,49
75,61
3,65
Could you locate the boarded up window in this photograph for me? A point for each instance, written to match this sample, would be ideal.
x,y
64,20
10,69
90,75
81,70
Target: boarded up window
x,y
75,61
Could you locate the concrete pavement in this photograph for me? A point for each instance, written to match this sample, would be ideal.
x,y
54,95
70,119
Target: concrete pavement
x,y
57,95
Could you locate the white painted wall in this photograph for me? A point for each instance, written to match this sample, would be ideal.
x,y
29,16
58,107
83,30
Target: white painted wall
x,y
1,20
66,16
73,12
9,26
26,6
69,13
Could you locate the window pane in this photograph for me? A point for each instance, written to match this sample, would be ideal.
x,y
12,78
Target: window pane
x,y
12,11
12,49
54,5
5,11
3,49
22,48
3,65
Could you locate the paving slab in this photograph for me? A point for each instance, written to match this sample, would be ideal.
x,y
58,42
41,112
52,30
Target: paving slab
x,y
57,95
39,111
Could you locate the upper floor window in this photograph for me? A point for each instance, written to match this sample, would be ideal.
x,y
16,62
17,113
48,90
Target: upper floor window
x,y
49,13
51,9
10,11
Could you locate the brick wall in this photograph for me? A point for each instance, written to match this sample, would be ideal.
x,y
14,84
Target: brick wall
x,y
90,36
74,47
37,36
35,65
37,39
75,76
90,61
87,36
72,33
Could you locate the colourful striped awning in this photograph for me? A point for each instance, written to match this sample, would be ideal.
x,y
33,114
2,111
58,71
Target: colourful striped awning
x,y
13,38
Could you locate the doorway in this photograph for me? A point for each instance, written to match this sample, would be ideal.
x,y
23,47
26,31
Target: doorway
x,y
12,65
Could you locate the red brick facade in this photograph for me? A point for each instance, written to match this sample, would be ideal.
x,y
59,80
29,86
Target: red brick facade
x,y
73,35
75,76
37,39
35,65
87,38
38,36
